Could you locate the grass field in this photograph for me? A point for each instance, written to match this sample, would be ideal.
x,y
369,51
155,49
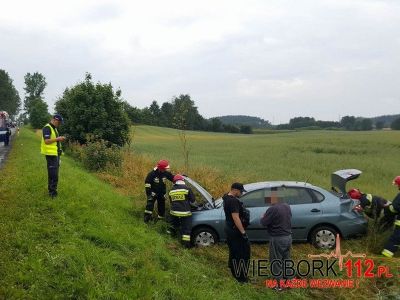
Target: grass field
x,y
91,242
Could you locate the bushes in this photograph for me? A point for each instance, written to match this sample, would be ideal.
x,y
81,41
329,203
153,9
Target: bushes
x,y
96,154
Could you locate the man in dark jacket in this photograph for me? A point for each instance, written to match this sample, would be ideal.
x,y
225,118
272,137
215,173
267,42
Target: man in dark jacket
x,y
236,237
182,201
278,220
156,189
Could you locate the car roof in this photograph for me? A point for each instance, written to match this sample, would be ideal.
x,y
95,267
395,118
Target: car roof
x,y
268,184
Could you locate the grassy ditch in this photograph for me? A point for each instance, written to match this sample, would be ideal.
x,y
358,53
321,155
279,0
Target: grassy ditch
x,y
90,242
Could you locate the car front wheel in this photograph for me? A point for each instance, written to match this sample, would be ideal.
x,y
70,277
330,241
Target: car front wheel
x,y
204,236
324,237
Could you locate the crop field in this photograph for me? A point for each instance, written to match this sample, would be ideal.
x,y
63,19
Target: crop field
x,y
216,160
301,156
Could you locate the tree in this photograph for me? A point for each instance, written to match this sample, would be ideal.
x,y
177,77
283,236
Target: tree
x,y
185,114
348,122
9,97
379,125
155,113
215,125
134,114
39,115
395,124
93,109
167,112
366,124
34,87
246,129
300,122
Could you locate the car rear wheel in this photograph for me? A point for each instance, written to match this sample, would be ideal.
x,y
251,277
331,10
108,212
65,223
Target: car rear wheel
x,y
204,236
324,237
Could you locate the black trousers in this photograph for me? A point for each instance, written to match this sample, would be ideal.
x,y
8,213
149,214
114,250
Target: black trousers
x,y
183,225
53,164
239,254
6,139
160,205
393,244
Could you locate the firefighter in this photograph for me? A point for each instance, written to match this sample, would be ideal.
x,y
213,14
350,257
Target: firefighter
x,y
156,189
393,209
182,201
371,205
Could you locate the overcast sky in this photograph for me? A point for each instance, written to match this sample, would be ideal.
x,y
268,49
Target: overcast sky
x,y
271,59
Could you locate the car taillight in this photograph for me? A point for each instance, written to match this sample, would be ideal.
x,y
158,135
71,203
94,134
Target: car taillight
x,y
357,208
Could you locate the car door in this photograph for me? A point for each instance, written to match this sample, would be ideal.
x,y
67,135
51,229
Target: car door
x,y
306,209
257,203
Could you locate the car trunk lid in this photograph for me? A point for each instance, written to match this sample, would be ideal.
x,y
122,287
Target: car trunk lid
x,y
340,178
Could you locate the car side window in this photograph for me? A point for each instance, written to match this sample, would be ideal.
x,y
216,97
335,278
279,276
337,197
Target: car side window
x,y
254,199
294,195
318,197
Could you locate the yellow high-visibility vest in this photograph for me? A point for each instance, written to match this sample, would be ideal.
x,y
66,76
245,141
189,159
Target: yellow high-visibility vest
x,y
49,149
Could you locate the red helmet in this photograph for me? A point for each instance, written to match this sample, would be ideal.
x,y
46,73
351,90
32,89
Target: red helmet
x,y
354,194
163,165
178,177
396,181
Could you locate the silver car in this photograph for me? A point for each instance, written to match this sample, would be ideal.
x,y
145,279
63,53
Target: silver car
x,y
318,215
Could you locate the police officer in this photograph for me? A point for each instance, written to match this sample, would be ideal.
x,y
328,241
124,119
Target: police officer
x,y
51,148
237,218
394,209
156,189
182,201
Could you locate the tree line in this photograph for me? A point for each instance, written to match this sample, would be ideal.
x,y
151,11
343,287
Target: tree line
x,y
180,113
346,123
98,110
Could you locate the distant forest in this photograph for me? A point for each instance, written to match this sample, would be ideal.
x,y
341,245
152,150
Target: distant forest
x,y
387,120
254,122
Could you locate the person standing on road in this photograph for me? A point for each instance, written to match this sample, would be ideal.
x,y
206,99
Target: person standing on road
x,y
393,244
278,220
237,219
7,136
51,148
156,189
182,201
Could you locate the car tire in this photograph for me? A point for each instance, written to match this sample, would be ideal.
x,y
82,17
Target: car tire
x,y
324,237
204,236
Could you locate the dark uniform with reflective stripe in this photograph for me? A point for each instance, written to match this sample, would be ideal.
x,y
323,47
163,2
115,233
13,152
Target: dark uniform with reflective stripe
x,y
393,244
372,205
182,200
155,191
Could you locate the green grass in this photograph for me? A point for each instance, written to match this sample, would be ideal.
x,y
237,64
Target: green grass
x,y
91,242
